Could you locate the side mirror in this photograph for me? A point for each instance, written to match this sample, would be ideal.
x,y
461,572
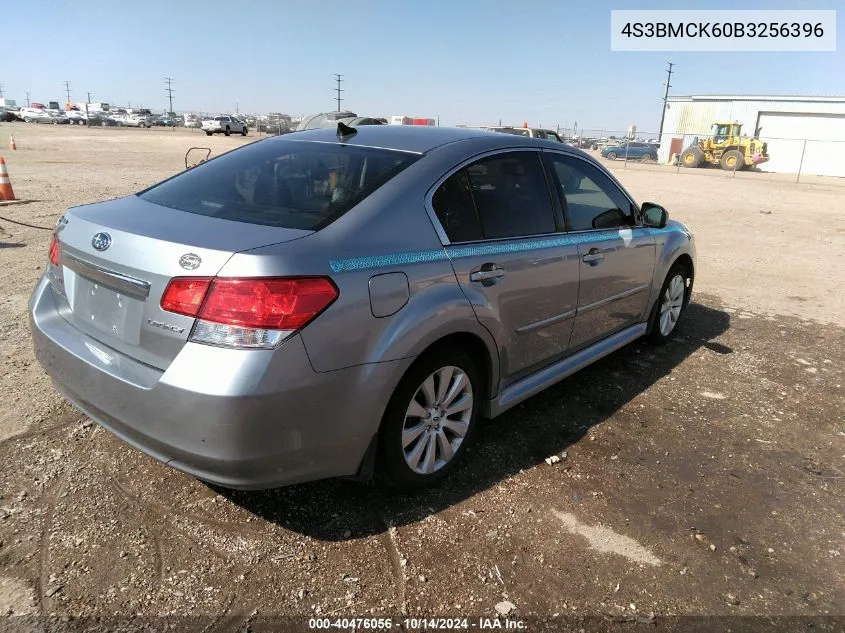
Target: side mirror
x,y
654,215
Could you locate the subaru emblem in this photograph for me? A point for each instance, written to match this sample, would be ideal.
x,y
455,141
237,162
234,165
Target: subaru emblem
x,y
190,261
101,241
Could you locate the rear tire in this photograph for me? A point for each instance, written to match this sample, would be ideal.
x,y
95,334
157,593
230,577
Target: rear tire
x,y
732,160
670,305
429,421
692,157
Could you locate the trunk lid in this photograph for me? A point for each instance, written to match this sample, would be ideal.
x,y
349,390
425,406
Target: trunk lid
x,y
113,294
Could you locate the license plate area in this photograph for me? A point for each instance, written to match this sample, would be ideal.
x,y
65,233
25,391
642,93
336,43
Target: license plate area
x,y
108,310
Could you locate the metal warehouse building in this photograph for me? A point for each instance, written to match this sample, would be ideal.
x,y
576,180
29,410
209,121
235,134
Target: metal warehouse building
x,y
805,134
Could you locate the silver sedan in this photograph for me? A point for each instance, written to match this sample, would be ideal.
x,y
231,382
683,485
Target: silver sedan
x,y
349,302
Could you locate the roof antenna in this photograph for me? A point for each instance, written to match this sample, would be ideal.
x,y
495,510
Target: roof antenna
x,y
344,131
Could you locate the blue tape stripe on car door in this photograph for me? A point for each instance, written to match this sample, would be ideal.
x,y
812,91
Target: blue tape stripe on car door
x,y
455,252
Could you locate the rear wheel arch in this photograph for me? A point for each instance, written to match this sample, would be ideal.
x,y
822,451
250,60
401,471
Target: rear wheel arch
x,y
475,348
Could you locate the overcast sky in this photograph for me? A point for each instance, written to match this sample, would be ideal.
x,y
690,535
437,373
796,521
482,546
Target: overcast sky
x,y
466,61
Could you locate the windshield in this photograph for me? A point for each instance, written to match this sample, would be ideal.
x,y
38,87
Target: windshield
x,y
290,184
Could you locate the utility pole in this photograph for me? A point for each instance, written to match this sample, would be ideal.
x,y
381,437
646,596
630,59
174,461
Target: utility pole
x,y
236,108
87,119
67,91
27,99
339,79
1,91
665,100
169,91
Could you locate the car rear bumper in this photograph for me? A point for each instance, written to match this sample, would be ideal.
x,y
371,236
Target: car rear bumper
x,y
247,419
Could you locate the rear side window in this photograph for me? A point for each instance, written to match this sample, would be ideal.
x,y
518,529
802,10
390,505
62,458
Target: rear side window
x,y
511,195
288,184
455,209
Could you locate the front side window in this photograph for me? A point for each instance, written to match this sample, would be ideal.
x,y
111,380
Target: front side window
x,y
511,195
281,183
591,199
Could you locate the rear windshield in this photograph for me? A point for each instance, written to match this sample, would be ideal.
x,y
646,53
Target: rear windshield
x,y
289,184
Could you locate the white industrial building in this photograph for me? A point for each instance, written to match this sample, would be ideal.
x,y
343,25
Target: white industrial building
x,y
802,133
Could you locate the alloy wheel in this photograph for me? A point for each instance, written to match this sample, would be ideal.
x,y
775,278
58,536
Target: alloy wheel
x,y
671,304
437,420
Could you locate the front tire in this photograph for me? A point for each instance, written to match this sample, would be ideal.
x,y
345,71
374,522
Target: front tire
x,y
209,133
611,156
243,131
429,420
228,131
670,305
732,160
692,157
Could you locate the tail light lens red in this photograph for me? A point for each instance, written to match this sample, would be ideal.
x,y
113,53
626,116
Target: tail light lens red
x,y
256,312
54,250
274,304
184,295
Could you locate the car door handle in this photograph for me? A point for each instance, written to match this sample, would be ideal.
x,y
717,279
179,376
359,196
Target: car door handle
x,y
595,255
487,273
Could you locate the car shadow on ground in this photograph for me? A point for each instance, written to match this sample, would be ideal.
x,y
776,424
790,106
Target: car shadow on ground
x,y
520,439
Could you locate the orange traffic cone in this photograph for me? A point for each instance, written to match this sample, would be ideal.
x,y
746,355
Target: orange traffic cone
x,y
6,193
12,146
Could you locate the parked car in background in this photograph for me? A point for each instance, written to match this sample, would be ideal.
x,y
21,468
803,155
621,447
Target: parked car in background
x,y
322,305
330,120
630,149
7,116
224,124
133,120
75,117
103,120
530,132
41,115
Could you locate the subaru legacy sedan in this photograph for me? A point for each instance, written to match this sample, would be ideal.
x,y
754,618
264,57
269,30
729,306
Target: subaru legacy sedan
x,y
349,303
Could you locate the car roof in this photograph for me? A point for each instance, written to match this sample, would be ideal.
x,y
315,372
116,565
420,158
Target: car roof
x,y
418,139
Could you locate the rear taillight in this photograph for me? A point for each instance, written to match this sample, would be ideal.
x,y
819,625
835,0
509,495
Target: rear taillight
x,y
54,250
184,295
248,312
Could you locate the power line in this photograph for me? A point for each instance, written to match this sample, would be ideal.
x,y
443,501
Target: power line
x,y
67,90
339,79
665,101
169,91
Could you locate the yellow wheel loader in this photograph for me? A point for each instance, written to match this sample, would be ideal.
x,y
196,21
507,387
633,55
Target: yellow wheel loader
x,y
727,148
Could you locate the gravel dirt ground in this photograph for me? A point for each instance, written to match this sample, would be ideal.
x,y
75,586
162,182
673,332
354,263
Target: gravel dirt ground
x,y
704,479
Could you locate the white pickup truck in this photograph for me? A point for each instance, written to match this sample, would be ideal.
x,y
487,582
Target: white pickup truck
x,y
224,123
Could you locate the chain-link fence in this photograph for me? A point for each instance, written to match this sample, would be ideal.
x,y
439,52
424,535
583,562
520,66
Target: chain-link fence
x,y
812,161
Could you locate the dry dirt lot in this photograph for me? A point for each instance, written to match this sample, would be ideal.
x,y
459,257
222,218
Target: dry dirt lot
x,y
702,484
